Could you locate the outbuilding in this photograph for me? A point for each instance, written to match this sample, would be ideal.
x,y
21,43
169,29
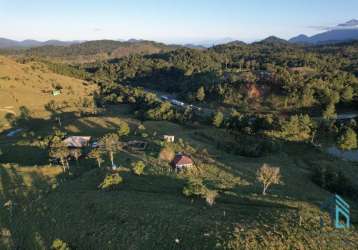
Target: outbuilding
x,y
169,138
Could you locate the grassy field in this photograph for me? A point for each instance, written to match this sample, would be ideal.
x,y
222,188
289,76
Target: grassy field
x,y
149,211
30,85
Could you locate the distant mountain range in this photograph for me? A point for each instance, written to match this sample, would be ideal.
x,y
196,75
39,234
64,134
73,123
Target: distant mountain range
x,y
11,44
344,32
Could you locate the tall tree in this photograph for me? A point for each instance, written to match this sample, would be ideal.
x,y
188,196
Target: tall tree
x,y
330,112
60,151
200,94
267,176
55,111
218,119
76,154
111,144
96,153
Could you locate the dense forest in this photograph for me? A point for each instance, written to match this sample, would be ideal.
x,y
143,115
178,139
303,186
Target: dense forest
x,y
275,74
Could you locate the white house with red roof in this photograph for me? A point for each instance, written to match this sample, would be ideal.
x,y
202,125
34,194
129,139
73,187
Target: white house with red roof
x,y
182,161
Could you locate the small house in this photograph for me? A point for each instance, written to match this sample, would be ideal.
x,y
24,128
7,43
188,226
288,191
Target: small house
x,y
56,92
182,161
77,141
169,138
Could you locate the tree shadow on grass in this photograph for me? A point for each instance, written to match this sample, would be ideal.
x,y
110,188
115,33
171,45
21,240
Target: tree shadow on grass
x,y
24,155
22,190
147,203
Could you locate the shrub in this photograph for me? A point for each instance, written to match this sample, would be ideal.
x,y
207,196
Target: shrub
x,y
196,188
110,182
123,129
138,167
210,197
163,111
58,244
218,119
166,154
348,140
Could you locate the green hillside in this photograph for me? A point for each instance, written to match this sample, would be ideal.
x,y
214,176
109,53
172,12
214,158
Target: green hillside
x,y
150,211
265,111
92,50
28,87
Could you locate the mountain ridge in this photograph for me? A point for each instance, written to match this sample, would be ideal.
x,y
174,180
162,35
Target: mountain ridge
x,y
6,43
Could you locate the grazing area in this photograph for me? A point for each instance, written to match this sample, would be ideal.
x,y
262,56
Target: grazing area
x,y
27,89
88,210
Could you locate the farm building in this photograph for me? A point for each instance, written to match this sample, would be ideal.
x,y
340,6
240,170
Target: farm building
x,y
182,161
169,138
77,141
56,92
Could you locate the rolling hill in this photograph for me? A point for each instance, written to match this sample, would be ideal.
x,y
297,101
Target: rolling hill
x,y
93,50
30,85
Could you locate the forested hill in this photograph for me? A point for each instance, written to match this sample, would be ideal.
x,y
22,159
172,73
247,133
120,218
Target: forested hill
x,y
274,74
93,50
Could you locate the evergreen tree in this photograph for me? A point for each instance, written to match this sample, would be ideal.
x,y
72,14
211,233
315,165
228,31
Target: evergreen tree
x,y
111,144
200,94
330,112
347,94
348,139
218,119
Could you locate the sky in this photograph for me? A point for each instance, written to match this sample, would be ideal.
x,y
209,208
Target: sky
x,y
170,21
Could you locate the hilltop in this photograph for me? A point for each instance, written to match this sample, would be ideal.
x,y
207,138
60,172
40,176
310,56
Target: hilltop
x,y
30,85
93,50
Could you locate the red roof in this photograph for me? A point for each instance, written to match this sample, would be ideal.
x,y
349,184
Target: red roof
x,y
77,141
182,160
